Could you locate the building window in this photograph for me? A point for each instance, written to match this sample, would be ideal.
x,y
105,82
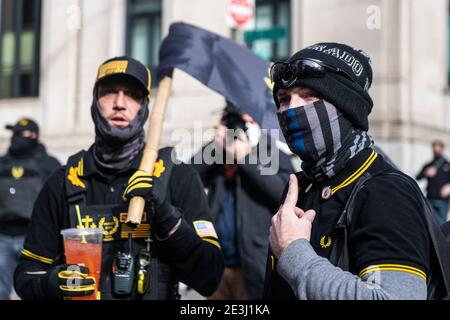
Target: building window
x,y
448,48
20,24
144,31
271,38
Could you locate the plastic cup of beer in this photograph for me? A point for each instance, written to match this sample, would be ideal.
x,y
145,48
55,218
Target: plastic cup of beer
x,y
83,246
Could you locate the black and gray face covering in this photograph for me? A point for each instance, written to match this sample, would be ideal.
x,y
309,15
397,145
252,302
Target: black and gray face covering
x,y
115,148
322,137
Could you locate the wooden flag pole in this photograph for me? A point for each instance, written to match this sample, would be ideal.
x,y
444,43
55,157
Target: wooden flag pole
x,y
150,153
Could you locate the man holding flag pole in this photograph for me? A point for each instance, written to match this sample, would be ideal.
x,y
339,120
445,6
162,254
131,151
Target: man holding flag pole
x,y
171,225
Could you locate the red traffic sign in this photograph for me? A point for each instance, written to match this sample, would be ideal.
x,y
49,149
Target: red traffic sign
x,y
241,14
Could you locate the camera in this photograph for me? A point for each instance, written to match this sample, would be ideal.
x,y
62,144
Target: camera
x,y
232,118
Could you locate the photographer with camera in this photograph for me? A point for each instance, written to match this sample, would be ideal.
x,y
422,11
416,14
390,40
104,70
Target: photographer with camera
x,y
242,197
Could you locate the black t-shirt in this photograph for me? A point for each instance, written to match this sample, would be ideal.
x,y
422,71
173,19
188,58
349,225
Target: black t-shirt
x,y
388,228
197,263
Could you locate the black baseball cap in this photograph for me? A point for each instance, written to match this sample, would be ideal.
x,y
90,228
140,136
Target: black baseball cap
x,y
22,125
125,67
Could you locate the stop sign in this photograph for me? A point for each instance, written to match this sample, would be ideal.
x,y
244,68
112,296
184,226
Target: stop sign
x,y
241,14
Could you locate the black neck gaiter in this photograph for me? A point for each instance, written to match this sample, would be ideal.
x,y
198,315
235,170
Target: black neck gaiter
x,y
115,148
322,137
21,146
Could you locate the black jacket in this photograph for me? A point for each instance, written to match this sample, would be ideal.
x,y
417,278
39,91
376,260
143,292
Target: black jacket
x,y
189,256
442,177
21,179
257,200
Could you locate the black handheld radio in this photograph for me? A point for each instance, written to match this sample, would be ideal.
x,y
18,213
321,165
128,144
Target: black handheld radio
x,y
124,270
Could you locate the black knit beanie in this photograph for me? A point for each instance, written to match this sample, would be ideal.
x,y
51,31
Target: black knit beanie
x,y
350,97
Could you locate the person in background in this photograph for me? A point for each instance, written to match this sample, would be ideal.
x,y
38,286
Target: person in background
x,y
23,171
242,199
437,173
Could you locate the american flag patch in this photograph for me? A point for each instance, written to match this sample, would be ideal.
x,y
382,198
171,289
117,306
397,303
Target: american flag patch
x,y
205,229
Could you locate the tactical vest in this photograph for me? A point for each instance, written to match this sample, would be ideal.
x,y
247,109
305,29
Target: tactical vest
x,y
111,219
20,183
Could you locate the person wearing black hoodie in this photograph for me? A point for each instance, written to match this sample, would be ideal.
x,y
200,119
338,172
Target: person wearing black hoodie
x,y
23,171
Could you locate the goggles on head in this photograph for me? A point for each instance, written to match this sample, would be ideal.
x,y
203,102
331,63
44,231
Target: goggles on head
x,y
285,74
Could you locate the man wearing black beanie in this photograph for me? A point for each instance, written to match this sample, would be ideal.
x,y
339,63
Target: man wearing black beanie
x,y
350,225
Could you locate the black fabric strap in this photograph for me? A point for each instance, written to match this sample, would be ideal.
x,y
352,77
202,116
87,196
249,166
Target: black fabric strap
x,y
339,253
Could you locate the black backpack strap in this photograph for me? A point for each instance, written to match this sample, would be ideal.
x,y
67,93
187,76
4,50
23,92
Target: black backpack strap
x,y
339,253
75,187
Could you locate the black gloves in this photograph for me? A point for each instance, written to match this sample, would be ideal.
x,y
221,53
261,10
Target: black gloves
x,y
69,280
151,189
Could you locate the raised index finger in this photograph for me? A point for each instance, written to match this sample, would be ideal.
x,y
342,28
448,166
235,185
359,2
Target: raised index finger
x,y
292,195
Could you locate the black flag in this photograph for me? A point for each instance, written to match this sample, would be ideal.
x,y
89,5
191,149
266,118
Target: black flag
x,y
222,65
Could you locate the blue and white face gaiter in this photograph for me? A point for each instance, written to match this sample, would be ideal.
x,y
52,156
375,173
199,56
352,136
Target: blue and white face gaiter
x,y
322,137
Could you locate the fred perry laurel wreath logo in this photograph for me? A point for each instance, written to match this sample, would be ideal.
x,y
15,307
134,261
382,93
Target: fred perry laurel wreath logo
x,y
325,242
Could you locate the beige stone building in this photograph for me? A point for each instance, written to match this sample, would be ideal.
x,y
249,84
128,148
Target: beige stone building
x,y
50,49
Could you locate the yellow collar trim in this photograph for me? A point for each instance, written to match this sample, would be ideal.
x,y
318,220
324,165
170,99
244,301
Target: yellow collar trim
x,y
357,173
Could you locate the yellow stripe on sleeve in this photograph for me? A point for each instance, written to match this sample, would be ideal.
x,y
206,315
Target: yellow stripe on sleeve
x,y
393,267
213,242
37,257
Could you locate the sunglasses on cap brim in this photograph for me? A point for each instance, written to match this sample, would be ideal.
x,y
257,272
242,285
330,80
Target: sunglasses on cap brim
x,y
285,74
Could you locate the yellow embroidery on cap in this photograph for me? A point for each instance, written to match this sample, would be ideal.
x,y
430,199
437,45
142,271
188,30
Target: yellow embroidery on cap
x,y
119,66
23,122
